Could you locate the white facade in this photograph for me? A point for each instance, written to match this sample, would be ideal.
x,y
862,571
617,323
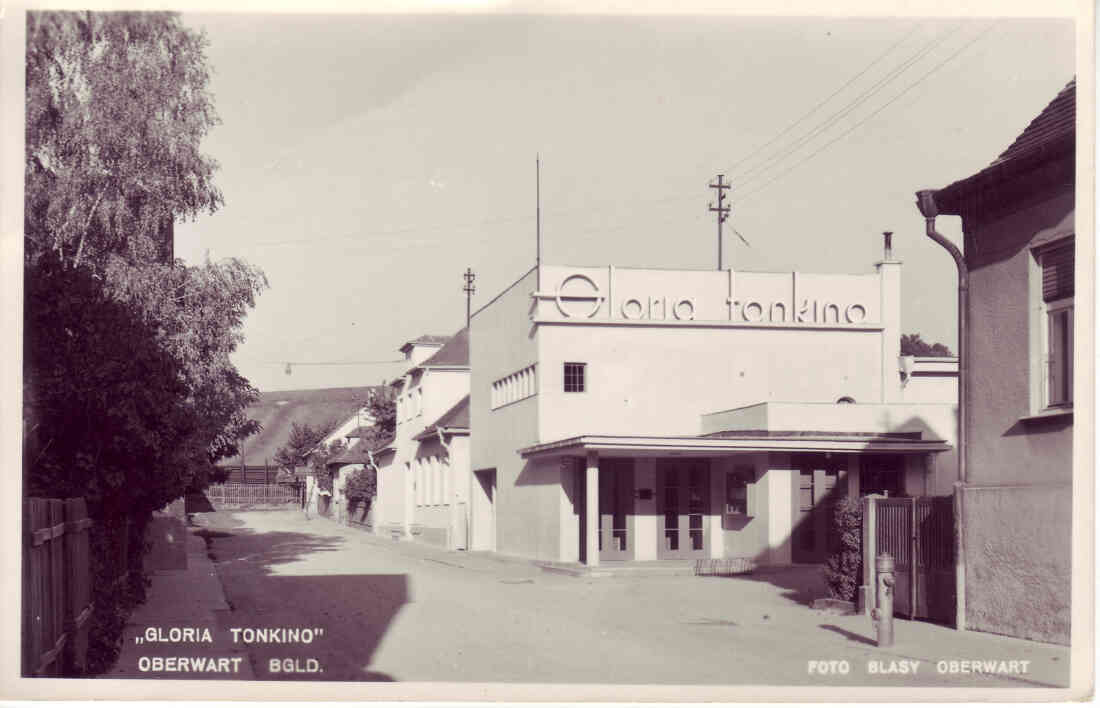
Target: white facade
x,y
423,474
668,398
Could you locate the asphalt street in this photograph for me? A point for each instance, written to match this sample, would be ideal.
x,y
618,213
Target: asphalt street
x,y
382,610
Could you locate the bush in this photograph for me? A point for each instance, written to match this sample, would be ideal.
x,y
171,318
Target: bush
x,y
118,582
361,484
844,565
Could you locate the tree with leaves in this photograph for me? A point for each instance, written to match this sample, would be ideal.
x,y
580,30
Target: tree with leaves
x,y
914,345
303,438
129,393
116,107
383,411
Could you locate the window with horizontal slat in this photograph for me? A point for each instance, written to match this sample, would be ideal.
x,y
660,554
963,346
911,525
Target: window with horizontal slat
x,y
1058,272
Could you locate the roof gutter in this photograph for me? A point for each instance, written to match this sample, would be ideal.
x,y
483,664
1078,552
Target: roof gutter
x,y
926,202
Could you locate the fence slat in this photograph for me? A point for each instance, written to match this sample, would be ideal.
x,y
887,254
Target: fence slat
x,y
56,586
232,494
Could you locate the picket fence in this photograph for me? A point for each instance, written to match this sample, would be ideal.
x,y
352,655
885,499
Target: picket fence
x,y
57,597
233,494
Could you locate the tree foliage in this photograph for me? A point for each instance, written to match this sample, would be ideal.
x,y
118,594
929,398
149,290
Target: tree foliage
x,y
130,394
128,389
302,439
844,565
362,484
116,107
318,462
383,411
914,345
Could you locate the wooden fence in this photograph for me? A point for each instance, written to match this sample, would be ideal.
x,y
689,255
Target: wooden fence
x,y
56,587
239,495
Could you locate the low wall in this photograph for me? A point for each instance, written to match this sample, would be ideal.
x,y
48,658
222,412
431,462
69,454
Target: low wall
x,y
1018,560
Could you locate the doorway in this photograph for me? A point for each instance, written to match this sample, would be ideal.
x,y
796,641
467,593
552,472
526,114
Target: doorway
x,y
616,509
817,492
483,508
683,494
615,525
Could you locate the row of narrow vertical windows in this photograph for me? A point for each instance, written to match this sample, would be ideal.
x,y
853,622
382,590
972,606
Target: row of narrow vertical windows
x,y
432,483
514,387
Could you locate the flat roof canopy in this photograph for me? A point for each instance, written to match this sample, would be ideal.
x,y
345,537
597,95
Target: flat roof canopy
x,y
675,445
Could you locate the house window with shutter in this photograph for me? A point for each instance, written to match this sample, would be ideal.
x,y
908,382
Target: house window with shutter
x,y
1056,329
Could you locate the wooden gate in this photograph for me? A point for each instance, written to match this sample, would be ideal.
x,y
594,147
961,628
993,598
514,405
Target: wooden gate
x,y
918,533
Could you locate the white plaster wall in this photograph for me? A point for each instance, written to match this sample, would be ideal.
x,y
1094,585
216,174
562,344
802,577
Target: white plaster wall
x,y
442,389
658,380
569,508
924,388
890,274
391,509
780,482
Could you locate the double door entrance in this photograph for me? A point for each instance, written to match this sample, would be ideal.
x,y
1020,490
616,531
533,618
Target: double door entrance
x,y
681,498
683,490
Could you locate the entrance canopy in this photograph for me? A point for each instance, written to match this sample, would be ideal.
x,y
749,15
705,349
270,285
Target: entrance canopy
x,y
731,442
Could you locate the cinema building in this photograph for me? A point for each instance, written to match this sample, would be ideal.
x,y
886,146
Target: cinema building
x,y
623,414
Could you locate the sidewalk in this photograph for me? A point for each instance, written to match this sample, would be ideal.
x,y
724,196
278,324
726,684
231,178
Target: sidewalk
x,y
181,631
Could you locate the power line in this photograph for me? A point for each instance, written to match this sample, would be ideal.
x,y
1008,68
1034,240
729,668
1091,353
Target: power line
x,y
881,108
783,153
830,97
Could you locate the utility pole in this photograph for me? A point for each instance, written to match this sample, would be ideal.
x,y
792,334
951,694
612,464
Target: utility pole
x,y
723,211
468,288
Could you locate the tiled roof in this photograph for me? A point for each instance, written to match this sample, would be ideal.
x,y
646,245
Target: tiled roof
x,y
458,417
1056,121
384,445
456,352
356,454
276,411
1051,135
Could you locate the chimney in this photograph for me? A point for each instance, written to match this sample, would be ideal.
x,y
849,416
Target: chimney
x,y
887,245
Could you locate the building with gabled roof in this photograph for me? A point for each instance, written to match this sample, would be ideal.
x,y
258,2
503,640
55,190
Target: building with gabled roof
x,y
424,472
1018,219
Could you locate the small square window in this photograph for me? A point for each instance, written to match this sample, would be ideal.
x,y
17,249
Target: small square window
x,y
574,377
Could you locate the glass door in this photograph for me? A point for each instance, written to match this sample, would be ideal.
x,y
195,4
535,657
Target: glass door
x,y
682,508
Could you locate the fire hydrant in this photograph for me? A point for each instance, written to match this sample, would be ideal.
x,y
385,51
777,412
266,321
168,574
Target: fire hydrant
x,y
884,612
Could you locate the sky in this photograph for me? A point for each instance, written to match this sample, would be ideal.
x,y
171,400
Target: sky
x,y
368,160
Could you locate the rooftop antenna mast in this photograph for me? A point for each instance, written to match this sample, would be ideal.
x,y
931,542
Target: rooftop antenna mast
x,y
468,288
538,227
723,211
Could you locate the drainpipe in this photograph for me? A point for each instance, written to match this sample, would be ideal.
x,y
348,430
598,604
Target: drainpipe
x,y
451,544
926,202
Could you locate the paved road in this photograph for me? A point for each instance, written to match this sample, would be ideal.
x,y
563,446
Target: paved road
x,y
400,611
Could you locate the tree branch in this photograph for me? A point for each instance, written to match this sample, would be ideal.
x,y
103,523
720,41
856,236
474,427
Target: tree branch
x,y
84,231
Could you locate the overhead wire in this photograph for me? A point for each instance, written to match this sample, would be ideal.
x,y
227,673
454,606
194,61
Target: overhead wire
x,y
739,181
881,108
828,98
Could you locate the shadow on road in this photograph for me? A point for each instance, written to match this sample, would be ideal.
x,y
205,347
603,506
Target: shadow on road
x,y
801,584
850,636
347,614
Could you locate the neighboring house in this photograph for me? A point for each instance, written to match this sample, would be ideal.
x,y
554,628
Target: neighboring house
x,y
424,472
276,411
625,414
1018,224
